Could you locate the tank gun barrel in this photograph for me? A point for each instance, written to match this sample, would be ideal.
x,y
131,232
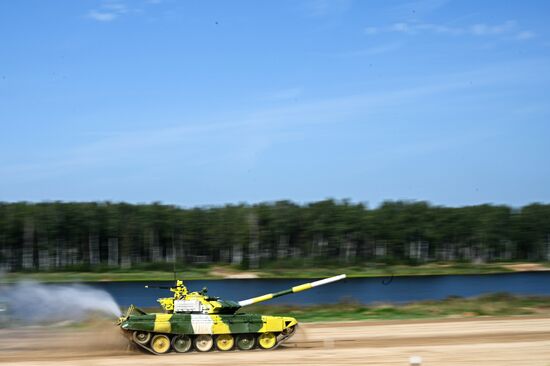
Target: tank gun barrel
x,y
292,290
161,287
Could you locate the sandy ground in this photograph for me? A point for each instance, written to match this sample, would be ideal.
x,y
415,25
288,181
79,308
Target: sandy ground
x,y
526,267
491,341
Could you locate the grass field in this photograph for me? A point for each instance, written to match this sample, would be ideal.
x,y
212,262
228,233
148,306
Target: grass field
x,y
297,271
453,307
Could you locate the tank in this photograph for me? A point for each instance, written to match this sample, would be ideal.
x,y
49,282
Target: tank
x,y
196,321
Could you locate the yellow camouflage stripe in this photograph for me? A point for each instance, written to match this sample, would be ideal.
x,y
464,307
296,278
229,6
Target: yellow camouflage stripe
x,y
219,327
162,323
276,323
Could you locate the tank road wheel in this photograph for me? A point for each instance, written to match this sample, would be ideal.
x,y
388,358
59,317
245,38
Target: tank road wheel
x,y
267,340
204,342
246,341
160,343
141,337
225,342
181,343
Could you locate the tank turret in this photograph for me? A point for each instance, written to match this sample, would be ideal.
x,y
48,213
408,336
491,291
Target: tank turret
x,y
198,302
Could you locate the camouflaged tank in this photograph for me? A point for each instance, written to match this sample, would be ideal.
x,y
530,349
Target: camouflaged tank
x,y
194,320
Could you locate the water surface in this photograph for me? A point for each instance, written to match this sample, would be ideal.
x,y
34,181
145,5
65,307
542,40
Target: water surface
x,y
364,290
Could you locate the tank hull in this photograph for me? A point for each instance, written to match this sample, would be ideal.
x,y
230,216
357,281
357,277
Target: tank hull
x,y
207,325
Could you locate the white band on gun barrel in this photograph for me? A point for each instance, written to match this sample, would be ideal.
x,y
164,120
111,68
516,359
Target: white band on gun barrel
x,y
328,280
246,302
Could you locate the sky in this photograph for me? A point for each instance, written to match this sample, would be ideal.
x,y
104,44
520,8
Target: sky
x,y
213,102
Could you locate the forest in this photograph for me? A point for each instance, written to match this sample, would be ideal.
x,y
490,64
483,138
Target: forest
x,y
53,236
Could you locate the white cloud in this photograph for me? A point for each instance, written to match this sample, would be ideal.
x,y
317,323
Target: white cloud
x,y
322,8
371,30
102,16
509,27
401,27
285,94
109,11
437,28
524,35
484,29
118,8
417,7
370,51
246,136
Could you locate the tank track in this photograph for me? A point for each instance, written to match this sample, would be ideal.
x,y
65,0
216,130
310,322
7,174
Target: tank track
x,y
283,338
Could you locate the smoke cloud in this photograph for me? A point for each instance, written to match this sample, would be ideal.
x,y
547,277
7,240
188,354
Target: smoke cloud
x,y
31,302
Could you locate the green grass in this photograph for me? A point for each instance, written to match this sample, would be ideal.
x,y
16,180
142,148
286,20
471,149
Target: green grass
x,y
115,275
381,270
453,307
290,269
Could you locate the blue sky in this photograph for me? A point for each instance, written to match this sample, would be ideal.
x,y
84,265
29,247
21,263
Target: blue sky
x,y
212,102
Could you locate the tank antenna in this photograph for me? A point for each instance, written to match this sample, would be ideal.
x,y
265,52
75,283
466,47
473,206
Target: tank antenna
x,y
174,257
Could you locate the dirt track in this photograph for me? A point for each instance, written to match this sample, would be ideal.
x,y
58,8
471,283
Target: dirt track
x,y
508,341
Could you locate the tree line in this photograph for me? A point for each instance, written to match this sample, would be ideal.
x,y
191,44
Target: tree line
x,y
85,236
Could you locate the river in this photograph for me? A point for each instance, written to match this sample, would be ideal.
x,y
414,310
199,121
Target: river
x,y
364,290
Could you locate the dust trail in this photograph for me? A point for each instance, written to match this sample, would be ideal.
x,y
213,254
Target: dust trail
x,y
31,302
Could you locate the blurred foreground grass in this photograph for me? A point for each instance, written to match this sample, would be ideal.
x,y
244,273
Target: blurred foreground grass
x,y
298,270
